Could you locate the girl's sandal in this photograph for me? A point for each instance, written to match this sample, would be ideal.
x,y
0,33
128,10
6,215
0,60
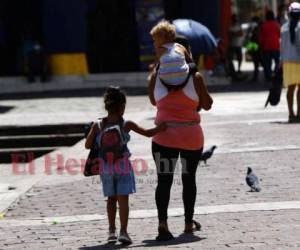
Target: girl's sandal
x,y
196,227
112,237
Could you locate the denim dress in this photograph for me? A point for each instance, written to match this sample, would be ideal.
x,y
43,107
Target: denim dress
x,y
117,178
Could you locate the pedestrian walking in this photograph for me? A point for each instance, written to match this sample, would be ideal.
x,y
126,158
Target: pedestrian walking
x,y
269,42
178,107
281,14
35,62
2,47
252,45
290,56
111,136
235,34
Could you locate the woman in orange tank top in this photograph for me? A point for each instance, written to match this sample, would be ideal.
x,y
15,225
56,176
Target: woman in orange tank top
x,y
184,137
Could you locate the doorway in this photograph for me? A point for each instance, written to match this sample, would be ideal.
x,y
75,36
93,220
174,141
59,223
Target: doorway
x,y
112,36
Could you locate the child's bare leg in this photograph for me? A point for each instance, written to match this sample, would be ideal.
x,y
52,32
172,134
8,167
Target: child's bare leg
x,y
111,212
124,211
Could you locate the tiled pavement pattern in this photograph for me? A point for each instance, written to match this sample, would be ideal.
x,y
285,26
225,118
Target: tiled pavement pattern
x,y
221,182
251,230
237,123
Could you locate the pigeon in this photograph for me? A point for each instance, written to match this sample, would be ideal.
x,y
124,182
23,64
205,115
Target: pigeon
x,y
207,153
252,180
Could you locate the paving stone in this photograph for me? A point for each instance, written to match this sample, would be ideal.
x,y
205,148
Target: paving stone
x,y
236,123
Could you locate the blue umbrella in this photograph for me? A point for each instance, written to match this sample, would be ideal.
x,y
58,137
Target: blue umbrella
x,y
201,39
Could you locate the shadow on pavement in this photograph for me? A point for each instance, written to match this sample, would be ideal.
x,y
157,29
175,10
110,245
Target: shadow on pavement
x,y
5,109
181,239
284,122
106,246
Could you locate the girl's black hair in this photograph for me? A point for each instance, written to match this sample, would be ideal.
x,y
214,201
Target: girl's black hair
x,y
294,19
114,98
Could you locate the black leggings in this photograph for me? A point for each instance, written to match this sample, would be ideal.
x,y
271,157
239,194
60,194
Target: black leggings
x,y
165,159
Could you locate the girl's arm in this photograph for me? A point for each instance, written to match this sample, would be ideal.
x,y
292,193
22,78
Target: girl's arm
x,y
145,132
91,136
205,100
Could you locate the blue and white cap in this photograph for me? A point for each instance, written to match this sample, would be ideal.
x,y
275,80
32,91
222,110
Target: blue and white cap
x,y
294,7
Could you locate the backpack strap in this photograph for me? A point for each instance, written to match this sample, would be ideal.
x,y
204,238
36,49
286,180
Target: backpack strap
x,y
99,124
102,123
122,123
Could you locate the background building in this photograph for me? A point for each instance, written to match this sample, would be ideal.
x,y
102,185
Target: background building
x,y
94,36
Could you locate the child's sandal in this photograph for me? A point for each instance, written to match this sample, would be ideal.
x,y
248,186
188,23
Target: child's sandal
x,y
112,237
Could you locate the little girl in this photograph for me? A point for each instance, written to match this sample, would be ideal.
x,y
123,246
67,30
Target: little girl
x,y
117,180
173,58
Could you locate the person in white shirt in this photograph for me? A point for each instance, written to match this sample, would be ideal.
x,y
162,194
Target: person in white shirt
x,y
235,34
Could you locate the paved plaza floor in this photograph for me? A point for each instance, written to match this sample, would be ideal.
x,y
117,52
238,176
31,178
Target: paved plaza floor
x,y
64,210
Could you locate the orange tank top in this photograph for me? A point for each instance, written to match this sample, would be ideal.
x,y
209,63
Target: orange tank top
x,y
178,107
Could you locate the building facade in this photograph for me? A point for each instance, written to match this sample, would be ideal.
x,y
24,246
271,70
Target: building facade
x,y
95,36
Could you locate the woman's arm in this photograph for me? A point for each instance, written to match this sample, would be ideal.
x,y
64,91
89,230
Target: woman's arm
x,y
91,136
151,84
145,132
205,100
